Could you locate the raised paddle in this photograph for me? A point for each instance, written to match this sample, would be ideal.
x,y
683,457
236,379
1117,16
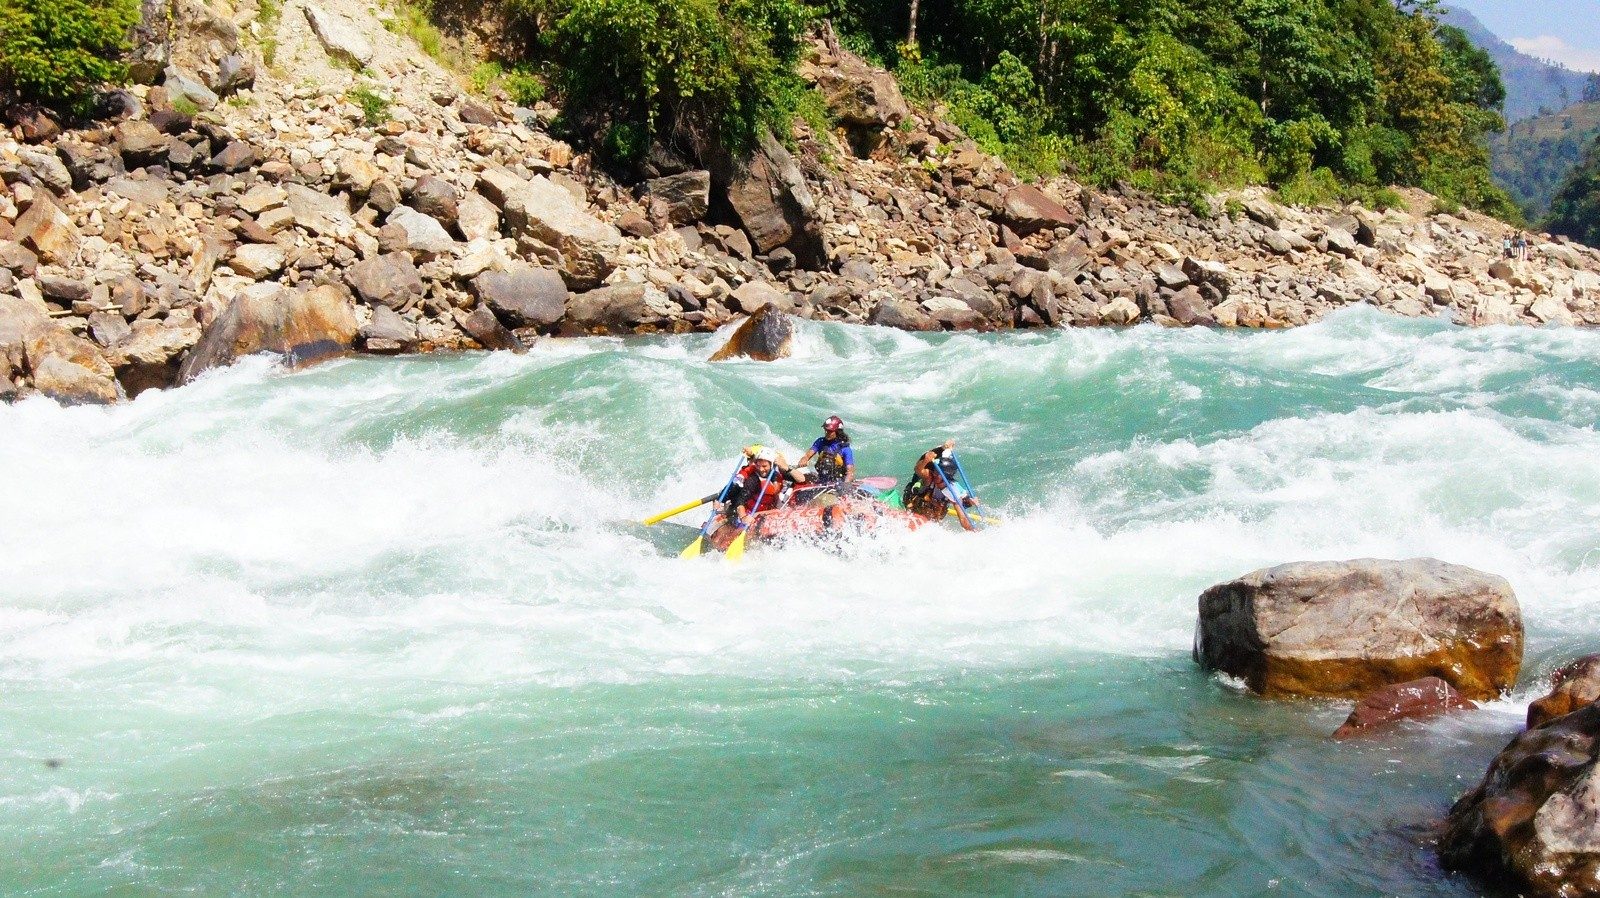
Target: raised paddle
x,y
967,485
656,519
693,549
735,550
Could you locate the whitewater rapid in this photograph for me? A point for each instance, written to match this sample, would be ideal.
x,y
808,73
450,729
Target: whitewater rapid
x,y
268,551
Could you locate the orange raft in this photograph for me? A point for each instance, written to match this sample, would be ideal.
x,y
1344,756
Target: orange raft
x,y
819,520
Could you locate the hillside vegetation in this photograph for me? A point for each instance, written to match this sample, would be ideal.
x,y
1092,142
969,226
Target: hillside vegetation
x,y
1533,157
1325,99
1575,209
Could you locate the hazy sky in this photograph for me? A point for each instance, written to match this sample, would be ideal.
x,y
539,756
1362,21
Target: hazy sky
x,y
1567,31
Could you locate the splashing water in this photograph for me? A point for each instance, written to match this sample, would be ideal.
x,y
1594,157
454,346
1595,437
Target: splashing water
x,y
384,626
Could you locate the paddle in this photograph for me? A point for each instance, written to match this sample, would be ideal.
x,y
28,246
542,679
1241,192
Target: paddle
x,y
735,550
967,485
693,549
656,519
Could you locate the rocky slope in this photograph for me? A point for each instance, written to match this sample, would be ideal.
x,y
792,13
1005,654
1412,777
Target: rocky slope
x,y
424,219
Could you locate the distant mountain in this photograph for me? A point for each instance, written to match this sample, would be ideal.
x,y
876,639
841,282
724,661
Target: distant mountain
x,y
1532,158
1533,85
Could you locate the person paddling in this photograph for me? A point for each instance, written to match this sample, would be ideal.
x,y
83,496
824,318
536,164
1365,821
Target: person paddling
x,y
931,490
835,460
761,484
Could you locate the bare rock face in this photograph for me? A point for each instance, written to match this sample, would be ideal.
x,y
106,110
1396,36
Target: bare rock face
x,y
772,201
1535,818
1427,697
1575,685
1345,628
766,336
305,327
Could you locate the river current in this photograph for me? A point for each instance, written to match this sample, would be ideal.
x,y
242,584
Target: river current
x,y
384,626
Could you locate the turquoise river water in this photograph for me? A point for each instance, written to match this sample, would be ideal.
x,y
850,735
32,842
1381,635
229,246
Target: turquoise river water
x,y
384,627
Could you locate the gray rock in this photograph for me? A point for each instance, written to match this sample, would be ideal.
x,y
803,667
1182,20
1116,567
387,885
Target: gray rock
x,y
411,231
391,280
751,297
109,328
340,39
1341,241
1348,628
236,72
387,331
149,193
477,218
684,198
526,297
319,213
1170,276
436,199
769,195
1189,308
903,315
180,84
481,325
541,210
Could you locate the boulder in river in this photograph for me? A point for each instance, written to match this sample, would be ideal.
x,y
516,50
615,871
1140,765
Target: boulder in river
x,y
766,336
304,327
1345,628
1535,818
1574,686
1418,699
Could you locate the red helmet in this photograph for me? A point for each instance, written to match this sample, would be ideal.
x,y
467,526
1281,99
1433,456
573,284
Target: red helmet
x,y
833,423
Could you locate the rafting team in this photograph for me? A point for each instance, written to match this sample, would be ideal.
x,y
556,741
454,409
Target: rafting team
x,y
827,470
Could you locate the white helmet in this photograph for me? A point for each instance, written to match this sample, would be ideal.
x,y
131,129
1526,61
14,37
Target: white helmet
x,y
767,455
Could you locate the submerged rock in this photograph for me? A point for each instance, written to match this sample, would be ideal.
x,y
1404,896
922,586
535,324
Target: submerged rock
x,y
766,336
1535,818
1575,685
1345,628
1418,699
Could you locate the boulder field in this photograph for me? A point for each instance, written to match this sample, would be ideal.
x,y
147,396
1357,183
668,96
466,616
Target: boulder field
x,y
450,221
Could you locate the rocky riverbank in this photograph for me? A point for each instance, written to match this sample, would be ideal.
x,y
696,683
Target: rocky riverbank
x,y
435,221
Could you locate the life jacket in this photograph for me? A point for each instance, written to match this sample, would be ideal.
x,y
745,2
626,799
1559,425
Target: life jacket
x,y
925,493
830,462
768,491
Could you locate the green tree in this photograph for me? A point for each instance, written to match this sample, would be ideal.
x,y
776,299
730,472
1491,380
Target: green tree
x,y
1575,210
59,51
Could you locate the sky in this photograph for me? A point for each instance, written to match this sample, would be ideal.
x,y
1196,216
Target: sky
x,y
1567,31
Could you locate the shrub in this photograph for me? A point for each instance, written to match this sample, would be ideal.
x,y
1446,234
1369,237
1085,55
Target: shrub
x,y
705,70
374,106
59,51
523,86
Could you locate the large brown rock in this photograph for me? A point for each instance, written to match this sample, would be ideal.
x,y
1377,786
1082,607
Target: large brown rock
x,y
766,336
1026,209
304,327
68,368
47,231
1575,685
527,297
389,280
148,357
1419,699
540,209
682,198
769,195
1345,628
1533,824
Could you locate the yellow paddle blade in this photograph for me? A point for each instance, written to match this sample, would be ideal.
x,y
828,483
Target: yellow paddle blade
x,y
692,550
976,517
656,519
736,548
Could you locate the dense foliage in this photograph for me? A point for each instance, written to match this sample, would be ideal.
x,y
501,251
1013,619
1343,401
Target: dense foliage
x,y
1533,156
58,51
1191,93
697,71
1575,211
